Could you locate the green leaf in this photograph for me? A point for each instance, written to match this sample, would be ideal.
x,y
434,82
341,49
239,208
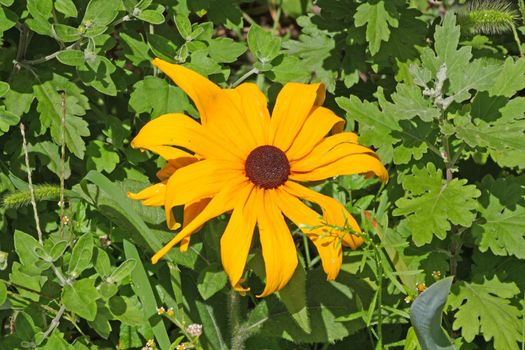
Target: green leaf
x,y
183,26
51,110
426,316
25,248
378,19
66,7
144,291
156,96
58,250
71,58
3,293
4,88
102,263
41,11
97,74
135,49
432,204
50,156
67,33
81,297
225,50
263,44
121,272
211,280
7,120
101,12
288,68
502,229
152,16
293,296
81,255
511,78
485,309
101,157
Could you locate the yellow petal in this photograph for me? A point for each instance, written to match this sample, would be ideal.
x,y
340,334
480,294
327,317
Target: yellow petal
x,y
325,240
151,196
318,124
201,90
334,213
254,106
190,212
278,248
168,152
179,130
199,180
174,164
237,238
228,120
293,106
351,164
225,200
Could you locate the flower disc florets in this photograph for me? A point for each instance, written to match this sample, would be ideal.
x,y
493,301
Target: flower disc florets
x,y
267,167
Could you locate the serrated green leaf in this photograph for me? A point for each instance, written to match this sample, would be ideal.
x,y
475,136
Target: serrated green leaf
x,y
378,20
432,204
66,7
7,120
135,50
225,50
101,157
484,308
81,255
426,314
511,78
156,96
97,74
211,280
81,297
502,229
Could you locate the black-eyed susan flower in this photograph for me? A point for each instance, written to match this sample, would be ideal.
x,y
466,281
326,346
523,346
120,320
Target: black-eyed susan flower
x,y
240,159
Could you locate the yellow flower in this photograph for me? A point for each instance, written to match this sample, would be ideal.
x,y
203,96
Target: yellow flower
x,y
244,161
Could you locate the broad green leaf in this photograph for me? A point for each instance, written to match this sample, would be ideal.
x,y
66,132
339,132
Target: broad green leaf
x,y
431,204
225,50
3,293
4,88
378,20
156,96
67,33
502,229
288,68
152,16
102,263
101,12
81,255
121,272
81,297
485,309
426,316
211,280
67,7
25,248
135,49
142,288
264,45
58,250
7,120
511,78
49,154
183,26
41,12
71,57
97,74
225,12
101,157
293,296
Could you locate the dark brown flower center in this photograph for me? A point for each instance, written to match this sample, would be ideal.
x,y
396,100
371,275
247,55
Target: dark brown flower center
x,y
267,167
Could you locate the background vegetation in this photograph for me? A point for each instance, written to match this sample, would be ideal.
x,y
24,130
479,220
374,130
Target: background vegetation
x,y
435,87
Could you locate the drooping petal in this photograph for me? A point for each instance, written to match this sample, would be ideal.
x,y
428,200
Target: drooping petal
x,y
151,196
293,106
201,90
278,248
199,180
334,213
237,238
318,124
179,130
326,241
225,200
190,212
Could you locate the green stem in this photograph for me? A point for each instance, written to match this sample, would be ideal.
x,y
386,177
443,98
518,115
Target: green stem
x,y
244,77
307,252
517,39
379,296
237,342
521,4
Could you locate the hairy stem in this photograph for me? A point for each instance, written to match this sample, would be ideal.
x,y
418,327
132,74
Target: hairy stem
x,y
244,77
31,189
237,341
62,161
54,322
517,39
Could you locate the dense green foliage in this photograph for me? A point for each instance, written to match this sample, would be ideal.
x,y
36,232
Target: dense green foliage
x,y
436,89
